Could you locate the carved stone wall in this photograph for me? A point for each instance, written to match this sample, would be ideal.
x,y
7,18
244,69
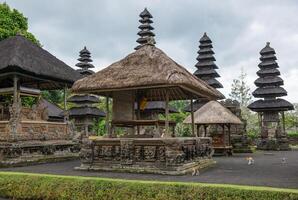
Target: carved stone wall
x,y
156,155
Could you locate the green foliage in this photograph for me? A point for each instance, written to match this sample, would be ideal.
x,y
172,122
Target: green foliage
x,y
54,96
240,91
29,101
13,22
293,134
99,127
291,118
183,130
39,186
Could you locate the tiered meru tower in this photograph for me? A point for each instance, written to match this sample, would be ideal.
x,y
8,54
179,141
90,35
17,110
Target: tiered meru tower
x,y
85,63
270,108
84,113
145,33
206,66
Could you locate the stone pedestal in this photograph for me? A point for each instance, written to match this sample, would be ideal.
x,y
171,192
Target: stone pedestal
x,y
276,144
171,156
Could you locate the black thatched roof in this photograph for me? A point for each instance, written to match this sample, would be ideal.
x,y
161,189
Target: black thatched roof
x,y
206,66
271,105
54,111
19,55
86,111
83,99
269,84
157,106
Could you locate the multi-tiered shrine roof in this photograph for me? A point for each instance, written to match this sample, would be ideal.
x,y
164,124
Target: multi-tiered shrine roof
x,y
269,84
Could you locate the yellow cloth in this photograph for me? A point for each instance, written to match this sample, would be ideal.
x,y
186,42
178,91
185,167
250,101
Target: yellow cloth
x,y
143,103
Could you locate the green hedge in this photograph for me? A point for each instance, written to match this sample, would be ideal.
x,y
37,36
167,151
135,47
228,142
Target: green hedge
x,y
39,186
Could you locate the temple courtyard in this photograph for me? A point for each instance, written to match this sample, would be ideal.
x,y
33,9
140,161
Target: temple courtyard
x,y
268,169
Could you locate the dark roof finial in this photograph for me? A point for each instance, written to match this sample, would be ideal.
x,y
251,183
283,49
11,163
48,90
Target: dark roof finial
x,y
145,33
267,44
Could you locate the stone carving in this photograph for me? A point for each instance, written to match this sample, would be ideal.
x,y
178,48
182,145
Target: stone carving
x,y
126,151
149,153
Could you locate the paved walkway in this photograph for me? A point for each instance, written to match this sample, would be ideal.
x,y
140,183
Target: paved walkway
x,y
268,170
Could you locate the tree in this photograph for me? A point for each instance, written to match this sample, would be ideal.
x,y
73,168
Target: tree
x,y
240,91
13,22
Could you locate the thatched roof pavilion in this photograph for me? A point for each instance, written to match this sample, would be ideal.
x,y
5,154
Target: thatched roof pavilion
x,y
19,56
143,78
213,113
148,69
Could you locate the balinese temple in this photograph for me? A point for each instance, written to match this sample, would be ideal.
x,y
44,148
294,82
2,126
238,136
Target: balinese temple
x,y
26,134
270,107
206,68
146,74
150,110
85,63
85,112
214,113
145,33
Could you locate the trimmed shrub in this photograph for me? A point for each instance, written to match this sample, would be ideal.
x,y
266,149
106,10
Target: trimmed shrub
x,y
39,186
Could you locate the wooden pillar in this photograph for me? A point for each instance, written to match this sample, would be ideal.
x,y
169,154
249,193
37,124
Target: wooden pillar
x,y
138,112
229,132
283,122
167,115
224,135
192,118
205,130
108,116
198,130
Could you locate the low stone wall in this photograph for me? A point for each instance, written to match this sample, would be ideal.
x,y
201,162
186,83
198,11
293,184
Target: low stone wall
x,y
147,155
293,140
28,142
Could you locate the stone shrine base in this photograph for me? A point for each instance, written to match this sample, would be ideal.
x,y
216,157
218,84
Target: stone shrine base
x,y
24,153
276,144
172,156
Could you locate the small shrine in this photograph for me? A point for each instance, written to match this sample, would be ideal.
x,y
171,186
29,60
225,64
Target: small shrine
x,y
85,112
215,114
27,134
145,74
271,107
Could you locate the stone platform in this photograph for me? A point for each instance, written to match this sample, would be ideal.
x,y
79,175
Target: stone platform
x,y
172,156
23,153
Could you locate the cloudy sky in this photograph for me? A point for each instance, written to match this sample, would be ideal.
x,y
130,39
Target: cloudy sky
x,y
238,29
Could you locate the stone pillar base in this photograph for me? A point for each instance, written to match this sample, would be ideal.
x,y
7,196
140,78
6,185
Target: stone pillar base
x,y
278,144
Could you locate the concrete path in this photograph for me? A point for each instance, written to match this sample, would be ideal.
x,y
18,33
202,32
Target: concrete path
x,y
268,170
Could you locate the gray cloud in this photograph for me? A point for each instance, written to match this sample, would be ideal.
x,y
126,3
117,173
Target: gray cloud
x,y
239,30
